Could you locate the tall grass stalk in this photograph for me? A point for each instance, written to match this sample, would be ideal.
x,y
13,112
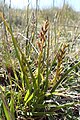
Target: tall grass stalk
x,y
10,14
27,32
36,16
5,33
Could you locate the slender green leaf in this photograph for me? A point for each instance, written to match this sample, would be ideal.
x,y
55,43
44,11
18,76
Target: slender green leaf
x,y
31,96
12,107
27,95
64,76
5,107
6,112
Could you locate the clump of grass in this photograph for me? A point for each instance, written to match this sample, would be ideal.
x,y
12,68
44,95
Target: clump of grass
x,y
29,99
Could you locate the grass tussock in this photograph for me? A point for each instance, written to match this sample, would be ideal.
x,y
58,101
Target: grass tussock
x,y
38,78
